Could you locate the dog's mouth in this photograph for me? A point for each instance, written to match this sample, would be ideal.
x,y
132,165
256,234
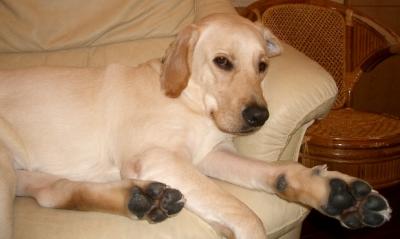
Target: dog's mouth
x,y
241,132
246,130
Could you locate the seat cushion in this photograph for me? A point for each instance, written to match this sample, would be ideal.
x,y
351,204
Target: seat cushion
x,y
34,222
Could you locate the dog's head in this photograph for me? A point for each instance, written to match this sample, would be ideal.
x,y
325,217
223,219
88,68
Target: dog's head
x,y
226,58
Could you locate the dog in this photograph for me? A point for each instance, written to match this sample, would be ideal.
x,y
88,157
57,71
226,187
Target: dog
x,y
111,139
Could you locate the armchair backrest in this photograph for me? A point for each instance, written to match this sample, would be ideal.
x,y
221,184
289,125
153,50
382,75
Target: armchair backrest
x,y
42,25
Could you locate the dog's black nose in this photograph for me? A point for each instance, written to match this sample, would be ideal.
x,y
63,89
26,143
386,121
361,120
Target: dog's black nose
x,y
255,116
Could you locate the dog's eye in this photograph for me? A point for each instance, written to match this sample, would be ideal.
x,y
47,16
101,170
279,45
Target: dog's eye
x,y
223,63
262,67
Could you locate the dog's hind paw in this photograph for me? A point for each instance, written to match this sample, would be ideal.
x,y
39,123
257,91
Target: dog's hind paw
x,y
155,202
356,205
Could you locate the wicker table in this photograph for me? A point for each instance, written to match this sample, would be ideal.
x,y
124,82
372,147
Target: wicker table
x,y
361,144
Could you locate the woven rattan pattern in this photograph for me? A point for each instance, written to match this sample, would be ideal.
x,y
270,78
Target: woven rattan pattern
x,y
318,32
349,124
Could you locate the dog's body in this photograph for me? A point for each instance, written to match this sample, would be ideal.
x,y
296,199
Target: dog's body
x,y
94,111
98,139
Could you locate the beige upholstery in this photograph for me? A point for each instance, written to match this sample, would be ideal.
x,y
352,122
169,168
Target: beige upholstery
x,y
95,33
32,26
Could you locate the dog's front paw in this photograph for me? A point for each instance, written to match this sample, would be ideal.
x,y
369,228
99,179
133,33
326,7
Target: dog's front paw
x,y
355,204
155,202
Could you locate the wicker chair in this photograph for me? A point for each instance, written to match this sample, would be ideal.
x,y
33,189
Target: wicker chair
x,y
347,44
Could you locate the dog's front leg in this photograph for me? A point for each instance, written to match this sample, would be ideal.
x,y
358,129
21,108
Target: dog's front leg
x,y
224,212
348,199
7,195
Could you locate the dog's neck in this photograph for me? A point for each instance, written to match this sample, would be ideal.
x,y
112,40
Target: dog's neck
x,y
194,97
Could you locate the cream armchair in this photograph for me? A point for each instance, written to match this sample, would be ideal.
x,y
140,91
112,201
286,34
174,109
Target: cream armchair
x,y
90,33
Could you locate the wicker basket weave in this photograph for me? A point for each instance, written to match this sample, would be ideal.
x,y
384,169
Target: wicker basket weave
x,y
317,32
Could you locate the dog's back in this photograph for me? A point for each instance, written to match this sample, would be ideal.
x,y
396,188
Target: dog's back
x,y
59,119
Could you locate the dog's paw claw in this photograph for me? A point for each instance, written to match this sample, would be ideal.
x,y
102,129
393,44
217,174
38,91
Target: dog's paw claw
x,y
356,205
156,202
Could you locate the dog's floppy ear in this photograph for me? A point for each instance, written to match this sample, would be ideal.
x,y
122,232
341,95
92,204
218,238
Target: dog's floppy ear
x,y
274,46
176,67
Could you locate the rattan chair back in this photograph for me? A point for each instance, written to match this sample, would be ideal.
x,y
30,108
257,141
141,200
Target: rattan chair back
x,y
316,31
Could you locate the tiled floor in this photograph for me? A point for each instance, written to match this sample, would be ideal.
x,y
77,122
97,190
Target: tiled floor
x,y
317,226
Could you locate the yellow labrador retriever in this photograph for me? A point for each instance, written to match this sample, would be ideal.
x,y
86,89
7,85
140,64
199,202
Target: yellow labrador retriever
x,y
112,138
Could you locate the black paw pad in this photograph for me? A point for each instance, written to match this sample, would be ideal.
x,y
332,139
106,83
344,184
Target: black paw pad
x,y
171,201
155,190
339,198
359,189
356,205
352,220
139,203
155,202
375,203
157,215
373,219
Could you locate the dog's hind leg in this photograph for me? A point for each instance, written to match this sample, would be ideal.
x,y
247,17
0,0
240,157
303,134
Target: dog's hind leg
x,y
135,199
7,195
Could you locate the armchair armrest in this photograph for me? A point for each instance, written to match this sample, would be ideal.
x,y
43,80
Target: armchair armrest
x,y
297,90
